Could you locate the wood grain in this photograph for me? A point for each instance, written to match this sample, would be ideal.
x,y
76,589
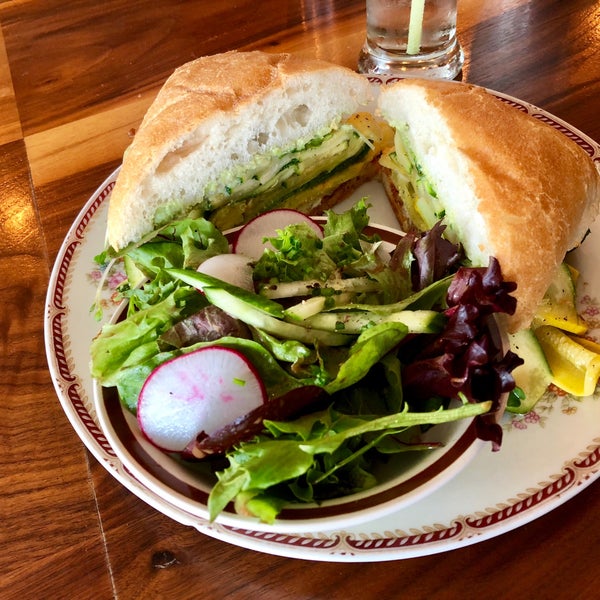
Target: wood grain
x,y
48,511
10,126
75,80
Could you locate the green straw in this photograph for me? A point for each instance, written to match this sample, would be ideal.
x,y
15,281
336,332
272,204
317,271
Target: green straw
x,y
415,26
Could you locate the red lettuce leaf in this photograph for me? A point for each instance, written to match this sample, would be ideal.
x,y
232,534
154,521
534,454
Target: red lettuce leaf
x,y
435,257
467,357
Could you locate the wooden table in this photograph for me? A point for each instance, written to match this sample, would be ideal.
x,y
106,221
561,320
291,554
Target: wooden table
x,y
75,79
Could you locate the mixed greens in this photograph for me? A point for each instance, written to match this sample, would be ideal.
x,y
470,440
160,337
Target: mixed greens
x,y
358,348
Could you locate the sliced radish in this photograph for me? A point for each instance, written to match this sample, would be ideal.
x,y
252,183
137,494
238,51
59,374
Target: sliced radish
x,y
202,391
249,240
232,268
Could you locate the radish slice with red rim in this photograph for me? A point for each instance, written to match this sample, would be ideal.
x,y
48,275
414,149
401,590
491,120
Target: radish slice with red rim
x,y
202,391
249,240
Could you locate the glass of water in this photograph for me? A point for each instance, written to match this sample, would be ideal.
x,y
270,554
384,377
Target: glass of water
x,y
411,38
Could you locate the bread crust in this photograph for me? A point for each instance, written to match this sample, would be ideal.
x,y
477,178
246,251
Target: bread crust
x,y
536,190
198,94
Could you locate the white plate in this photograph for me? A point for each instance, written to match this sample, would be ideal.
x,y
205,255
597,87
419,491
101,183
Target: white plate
x,y
547,456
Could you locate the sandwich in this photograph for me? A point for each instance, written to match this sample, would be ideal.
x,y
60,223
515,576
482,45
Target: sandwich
x,y
505,184
232,135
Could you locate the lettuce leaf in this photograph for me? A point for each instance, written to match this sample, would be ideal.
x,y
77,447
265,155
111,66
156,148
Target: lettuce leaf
x,y
117,342
266,463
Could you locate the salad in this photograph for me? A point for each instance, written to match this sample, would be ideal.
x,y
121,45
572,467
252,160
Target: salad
x,y
296,357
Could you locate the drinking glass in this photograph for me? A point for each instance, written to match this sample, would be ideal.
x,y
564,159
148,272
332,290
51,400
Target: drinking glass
x,y
411,38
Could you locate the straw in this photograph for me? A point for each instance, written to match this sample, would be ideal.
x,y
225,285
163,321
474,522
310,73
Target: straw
x,y
415,26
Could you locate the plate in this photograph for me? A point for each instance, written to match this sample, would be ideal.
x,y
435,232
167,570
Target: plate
x,y
525,485
407,478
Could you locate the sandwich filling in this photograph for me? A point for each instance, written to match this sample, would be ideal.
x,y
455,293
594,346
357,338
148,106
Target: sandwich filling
x,y
418,193
299,176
